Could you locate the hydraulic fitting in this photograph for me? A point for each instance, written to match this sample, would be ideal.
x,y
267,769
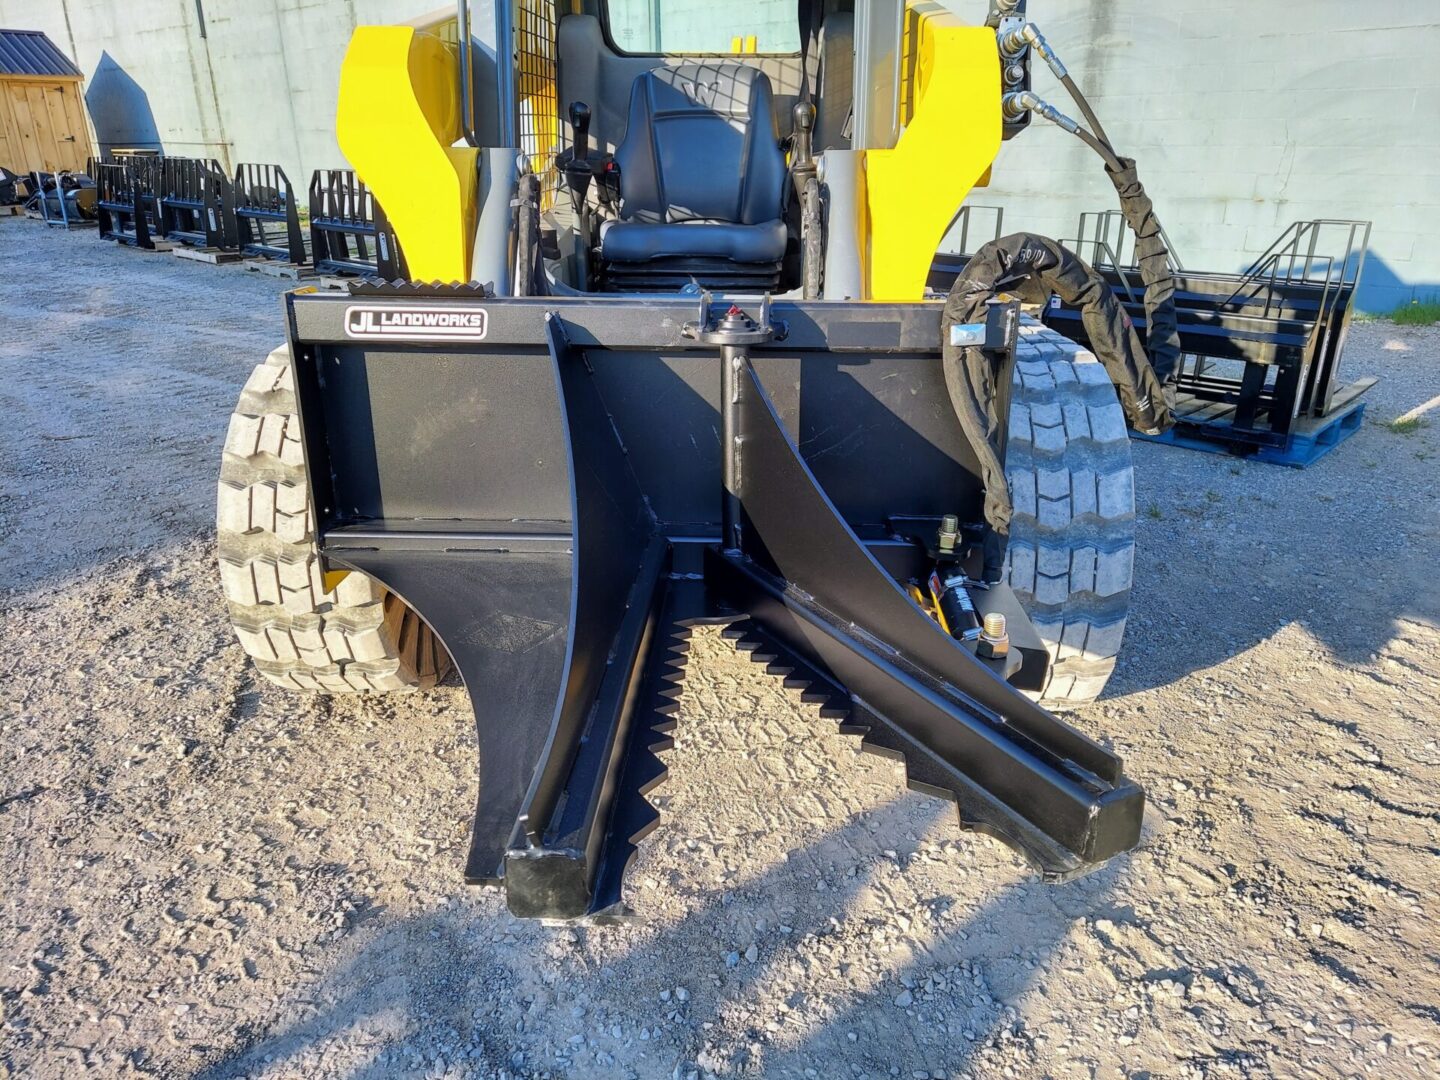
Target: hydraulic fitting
x,y
1003,10
1015,105
1014,42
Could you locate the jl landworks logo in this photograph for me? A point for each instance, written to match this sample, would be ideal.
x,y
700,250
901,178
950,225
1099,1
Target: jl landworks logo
x,y
417,324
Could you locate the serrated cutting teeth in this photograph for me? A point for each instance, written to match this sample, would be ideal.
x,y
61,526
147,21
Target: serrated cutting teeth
x,y
854,719
634,816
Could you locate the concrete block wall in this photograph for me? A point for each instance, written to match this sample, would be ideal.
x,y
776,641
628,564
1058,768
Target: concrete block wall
x,y
1245,115
230,79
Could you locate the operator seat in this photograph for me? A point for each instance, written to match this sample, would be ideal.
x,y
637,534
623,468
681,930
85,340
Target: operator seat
x,y
702,183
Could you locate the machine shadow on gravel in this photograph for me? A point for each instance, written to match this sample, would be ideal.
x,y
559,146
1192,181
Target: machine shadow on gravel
x,y
366,984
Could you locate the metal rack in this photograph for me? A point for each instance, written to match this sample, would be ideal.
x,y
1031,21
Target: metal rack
x,y
267,215
349,233
195,208
1260,366
126,202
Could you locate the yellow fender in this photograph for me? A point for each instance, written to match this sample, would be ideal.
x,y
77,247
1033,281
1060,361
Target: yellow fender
x,y
946,148
398,115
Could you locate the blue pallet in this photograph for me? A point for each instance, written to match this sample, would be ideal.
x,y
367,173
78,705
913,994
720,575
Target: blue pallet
x,y
1311,439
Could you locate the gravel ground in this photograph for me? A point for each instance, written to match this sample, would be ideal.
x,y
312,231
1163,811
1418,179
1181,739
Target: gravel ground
x,y
208,877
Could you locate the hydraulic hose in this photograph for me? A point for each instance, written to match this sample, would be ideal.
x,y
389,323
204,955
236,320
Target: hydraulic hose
x,y
1096,144
1162,332
1018,102
1085,111
1031,267
1016,41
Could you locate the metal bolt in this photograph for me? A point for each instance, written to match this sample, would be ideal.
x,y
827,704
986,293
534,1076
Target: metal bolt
x,y
949,533
994,642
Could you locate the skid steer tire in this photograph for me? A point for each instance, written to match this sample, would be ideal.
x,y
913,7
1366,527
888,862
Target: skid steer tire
x,y
1072,537
357,638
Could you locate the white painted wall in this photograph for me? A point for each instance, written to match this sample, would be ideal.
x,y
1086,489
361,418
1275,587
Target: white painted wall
x,y
259,84
1245,115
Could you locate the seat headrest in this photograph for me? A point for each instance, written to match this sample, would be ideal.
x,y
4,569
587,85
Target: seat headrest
x,y
729,90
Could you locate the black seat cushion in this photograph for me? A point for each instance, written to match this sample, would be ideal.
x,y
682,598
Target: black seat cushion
x,y
701,169
640,242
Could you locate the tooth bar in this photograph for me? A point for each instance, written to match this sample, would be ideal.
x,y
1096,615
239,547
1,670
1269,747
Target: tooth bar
x,y
810,641
923,771
634,816
577,869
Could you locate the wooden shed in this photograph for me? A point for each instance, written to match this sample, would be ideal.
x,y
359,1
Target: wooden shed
x,y
42,110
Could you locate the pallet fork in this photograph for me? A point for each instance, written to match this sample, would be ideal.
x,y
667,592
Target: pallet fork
x,y
349,233
127,202
645,475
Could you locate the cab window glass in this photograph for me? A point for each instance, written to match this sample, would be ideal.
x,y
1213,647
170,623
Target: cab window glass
x,y
703,26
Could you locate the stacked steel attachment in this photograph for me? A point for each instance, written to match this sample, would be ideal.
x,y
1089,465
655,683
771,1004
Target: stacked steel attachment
x,y
196,204
267,215
191,203
349,233
127,199
1261,348
650,466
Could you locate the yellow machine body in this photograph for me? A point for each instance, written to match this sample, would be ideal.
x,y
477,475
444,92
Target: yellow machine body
x,y
946,146
397,121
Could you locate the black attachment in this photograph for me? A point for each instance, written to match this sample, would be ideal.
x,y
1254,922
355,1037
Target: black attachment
x,y
1259,350
812,587
349,233
195,203
598,484
126,202
267,215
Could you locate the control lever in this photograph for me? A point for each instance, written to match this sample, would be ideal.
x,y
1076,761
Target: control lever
x,y
802,145
575,162
805,175
575,165
580,129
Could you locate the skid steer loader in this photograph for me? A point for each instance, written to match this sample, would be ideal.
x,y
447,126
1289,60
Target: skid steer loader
x,y
664,357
